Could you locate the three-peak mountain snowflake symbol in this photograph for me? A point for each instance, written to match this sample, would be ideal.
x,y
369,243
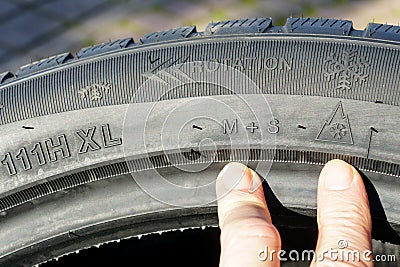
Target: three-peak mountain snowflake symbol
x,y
346,68
336,128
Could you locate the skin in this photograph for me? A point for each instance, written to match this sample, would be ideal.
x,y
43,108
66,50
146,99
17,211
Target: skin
x,y
246,227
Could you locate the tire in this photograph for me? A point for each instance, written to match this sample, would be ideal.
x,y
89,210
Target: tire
x,y
331,92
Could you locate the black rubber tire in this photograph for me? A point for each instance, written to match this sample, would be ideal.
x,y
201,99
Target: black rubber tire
x,y
333,92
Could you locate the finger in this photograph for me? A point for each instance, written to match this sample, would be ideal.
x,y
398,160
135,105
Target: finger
x,y
247,234
344,219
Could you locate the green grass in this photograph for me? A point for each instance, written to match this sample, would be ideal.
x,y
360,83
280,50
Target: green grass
x,y
124,22
249,2
309,11
340,2
89,41
280,21
72,24
156,7
218,14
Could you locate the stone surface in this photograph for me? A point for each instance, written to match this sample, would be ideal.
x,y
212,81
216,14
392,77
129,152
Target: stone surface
x,y
21,31
73,9
6,7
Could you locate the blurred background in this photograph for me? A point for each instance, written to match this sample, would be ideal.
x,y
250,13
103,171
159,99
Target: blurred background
x,y
34,29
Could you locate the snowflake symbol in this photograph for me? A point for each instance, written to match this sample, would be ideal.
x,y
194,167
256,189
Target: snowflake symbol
x,y
348,67
338,130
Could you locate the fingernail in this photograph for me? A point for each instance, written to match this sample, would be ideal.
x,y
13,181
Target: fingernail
x,y
337,175
235,176
255,183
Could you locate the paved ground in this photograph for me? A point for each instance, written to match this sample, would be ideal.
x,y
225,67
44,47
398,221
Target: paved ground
x,y
35,29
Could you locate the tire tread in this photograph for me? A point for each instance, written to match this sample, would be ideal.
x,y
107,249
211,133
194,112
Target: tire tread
x,y
239,26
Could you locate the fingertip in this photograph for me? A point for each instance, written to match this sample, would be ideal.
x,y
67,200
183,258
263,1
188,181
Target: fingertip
x,y
234,176
337,175
343,208
256,181
239,187
244,218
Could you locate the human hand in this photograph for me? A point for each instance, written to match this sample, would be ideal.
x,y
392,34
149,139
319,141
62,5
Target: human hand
x,y
246,225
